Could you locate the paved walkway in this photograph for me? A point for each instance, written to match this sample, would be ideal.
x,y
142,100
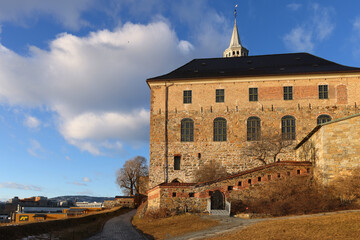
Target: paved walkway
x,y
119,228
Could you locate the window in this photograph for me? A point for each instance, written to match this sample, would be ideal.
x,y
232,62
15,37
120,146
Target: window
x,y
187,130
240,183
199,155
298,172
174,194
191,194
269,177
288,129
323,92
288,173
220,95
177,162
279,175
249,181
323,119
253,94
187,96
308,170
253,129
259,179
219,129
288,93
230,188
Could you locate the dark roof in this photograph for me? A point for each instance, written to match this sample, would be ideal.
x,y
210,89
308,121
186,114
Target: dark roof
x,y
261,65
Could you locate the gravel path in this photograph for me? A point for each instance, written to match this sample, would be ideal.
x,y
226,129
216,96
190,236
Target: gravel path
x,y
119,228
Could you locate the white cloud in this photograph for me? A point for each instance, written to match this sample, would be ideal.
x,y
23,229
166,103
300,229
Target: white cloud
x,y
313,31
19,186
35,148
78,183
66,12
86,179
95,84
299,39
67,158
294,6
32,122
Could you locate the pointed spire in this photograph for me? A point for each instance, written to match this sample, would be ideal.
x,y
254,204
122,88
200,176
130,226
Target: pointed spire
x,y
235,39
235,48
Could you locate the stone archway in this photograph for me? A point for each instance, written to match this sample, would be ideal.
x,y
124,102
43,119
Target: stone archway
x,y
176,180
217,200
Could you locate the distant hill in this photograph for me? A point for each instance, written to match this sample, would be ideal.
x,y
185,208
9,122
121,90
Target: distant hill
x,y
81,198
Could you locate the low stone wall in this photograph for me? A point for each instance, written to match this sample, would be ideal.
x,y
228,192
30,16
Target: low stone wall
x,y
195,197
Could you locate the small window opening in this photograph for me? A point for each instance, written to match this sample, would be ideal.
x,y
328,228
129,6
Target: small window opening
x,y
230,188
298,172
259,179
240,183
177,162
249,181
288,173
269,177
308,170
279,175
174,194
199,155
191,194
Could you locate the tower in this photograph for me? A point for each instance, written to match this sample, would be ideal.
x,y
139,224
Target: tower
x,y
235,49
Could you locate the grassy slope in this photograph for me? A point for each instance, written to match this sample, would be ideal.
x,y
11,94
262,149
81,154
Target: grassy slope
x,y
337,226
172,226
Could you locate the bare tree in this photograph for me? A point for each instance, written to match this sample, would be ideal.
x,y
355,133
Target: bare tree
x,y
129,175
269,146
210,171
308,151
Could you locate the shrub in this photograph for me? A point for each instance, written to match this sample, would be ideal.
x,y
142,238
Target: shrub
x,y
346,188
159,213
141,210
290,195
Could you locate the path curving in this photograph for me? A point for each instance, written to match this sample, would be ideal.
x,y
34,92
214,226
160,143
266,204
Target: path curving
x,y
119,228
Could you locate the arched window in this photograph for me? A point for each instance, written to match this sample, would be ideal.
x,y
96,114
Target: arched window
x,y
253,129
219,129
187,130
288,129
323,119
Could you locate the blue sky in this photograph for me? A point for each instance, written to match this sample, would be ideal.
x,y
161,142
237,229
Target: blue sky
x,y
74,105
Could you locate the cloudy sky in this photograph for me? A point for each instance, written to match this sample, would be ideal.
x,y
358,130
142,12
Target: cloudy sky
x,y
74,105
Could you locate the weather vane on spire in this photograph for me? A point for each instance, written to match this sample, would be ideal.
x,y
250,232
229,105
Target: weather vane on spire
x,y
235,11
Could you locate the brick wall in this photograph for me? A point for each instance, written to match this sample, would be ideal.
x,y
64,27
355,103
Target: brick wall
x,y
178,196
344,97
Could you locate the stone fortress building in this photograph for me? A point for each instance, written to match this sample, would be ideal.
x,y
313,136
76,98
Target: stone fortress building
x,y
210,109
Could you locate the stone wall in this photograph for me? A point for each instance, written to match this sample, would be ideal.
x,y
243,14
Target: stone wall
x,y
337,147
195,197
344,97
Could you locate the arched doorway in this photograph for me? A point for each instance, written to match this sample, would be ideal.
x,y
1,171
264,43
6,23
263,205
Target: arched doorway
x,y
217,200
176,180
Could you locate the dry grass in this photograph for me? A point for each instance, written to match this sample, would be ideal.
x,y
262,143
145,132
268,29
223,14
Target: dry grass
x,y
172,226
337,226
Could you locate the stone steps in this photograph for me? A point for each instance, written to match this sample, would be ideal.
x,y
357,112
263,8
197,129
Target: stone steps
x,y
219,212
